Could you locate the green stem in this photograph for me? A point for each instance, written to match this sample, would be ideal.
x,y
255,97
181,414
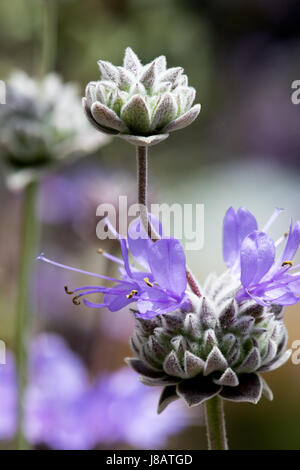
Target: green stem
x,y
48,36
24,310
142,178
215,424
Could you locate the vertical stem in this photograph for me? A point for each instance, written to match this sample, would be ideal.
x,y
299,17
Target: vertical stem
x,y
23,314
48,36
215,424
142,175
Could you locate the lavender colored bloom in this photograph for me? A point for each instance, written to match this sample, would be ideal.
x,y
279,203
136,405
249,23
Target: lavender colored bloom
x,y
8,398
64,411
158,289
250,254
233,332
82,187
120,394
57,382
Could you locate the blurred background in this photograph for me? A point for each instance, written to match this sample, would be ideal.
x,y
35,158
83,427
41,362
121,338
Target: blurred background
x,y
243,150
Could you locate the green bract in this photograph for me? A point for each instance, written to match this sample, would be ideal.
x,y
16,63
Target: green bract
x,y
219,348
140,103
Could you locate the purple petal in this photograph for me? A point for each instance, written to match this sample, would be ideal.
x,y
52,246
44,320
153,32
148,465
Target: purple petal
x,y
138,240
124,251
230,238
257,257
292,243
246,223
115,302
236,227
168,265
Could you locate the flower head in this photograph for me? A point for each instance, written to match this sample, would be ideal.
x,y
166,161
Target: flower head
x,y
220,342
234,332
140,103
158,287
42,123
250,254
219,347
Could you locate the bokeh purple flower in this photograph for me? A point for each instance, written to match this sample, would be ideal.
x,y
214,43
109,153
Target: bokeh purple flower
x,y
64,410
8,398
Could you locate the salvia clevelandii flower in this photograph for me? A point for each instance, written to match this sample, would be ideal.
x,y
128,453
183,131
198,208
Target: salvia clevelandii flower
x,y
42,124
158,289
140,103
233,332
219,343
250,254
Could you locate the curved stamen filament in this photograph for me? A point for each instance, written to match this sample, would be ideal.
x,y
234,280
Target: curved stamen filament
x,y
63,266
113,258
272,219
281,239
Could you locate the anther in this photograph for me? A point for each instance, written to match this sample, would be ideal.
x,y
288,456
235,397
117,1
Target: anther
x,y
67,291
146,280
132,293
287,263
76,300
100,251
286,234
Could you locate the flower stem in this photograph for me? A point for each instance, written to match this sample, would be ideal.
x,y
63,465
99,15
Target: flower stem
x,y
142,176
48,36
23,314
215,424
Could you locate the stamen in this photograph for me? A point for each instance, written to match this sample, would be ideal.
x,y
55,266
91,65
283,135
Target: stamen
x,y
146,280
281,239
132,293
272,219
76,300
67,291
287,263
113,258
63,266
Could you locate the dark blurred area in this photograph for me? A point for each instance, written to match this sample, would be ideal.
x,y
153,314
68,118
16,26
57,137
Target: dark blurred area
x,y
243,150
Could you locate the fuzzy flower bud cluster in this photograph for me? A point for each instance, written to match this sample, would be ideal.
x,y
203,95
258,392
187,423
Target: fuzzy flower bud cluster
x,y
140,103
41,124
219,348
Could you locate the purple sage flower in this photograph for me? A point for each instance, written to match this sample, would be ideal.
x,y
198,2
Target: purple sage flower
x,y
250,254
159,288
